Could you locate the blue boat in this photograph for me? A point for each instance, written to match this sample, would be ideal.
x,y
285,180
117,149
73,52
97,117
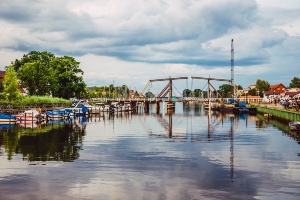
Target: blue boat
x,y
77,111
57,114
6,118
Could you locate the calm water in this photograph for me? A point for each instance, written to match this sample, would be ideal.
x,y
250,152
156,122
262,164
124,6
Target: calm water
x,y
184,155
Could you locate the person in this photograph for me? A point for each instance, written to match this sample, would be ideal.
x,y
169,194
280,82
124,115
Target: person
x,y
287,103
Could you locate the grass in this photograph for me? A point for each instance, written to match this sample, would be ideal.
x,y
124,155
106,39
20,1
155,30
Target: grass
x,y
38,101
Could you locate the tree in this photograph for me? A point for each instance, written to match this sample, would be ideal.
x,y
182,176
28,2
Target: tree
x,y
262,86
187,93
149,95
34,56
11,90
66,78
197,92
34,76
225,90
252,92
239,87
295,83
41,73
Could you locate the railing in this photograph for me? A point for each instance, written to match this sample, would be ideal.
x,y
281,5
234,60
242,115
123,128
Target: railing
x,y
256,100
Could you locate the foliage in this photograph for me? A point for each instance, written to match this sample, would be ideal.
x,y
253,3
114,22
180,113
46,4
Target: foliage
x,y
239,87
197,92
149,95
295,83
64,80
11,89
262,86
41,73
108,91
187,93
36,101
225,90
252,92
34,77
34,56
1,86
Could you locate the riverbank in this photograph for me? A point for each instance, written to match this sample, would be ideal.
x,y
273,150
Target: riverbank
x,y
278,111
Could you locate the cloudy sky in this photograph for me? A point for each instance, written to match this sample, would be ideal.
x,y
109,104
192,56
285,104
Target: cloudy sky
x,y
132,41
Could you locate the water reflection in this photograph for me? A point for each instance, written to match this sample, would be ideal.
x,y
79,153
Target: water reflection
x,y
185,154
57,140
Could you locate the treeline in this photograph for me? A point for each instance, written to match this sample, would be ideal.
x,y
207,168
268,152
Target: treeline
x,y
43,74
261,86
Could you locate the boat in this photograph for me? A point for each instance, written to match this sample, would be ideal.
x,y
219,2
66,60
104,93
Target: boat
x,y
57,114
76,111
294,126
5,125
30,115
6,118
267,115
102,107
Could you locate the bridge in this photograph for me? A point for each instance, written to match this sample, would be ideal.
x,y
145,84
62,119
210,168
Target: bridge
x,y
165,95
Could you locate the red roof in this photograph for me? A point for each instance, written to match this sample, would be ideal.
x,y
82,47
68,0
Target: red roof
x,y
291,94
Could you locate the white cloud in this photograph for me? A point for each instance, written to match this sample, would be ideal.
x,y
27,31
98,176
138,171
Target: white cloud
x,y
134,41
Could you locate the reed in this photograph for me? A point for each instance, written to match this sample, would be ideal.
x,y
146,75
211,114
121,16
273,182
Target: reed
x,y
36,100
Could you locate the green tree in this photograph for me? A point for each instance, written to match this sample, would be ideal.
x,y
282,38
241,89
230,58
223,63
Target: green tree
x,y
295,83
197,92
66,78
149,95
252,92
34,56
225,90
187,93
34,76
239,87
1,86
11,90
262,86
41,73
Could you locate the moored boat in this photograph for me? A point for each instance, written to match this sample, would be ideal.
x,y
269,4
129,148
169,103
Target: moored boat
x,y
294,126
29,115
56,114
6,118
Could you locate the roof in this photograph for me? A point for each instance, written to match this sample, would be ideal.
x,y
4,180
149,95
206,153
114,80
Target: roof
x,y
91,88
291,94
2,73
275,86
268,93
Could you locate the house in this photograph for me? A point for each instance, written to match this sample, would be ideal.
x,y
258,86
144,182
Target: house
x,y
292,95
133,94
2,74
250,87
278,89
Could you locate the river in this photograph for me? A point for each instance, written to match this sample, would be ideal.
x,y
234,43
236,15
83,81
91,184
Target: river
x,y
186,154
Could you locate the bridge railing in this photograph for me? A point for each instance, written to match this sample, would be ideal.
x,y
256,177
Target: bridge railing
x,y
254,100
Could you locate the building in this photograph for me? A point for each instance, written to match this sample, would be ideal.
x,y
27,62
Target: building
x,y
246,90
133,94
278,89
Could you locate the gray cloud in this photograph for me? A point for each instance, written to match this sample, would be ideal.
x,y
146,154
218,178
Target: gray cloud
x,y
151,32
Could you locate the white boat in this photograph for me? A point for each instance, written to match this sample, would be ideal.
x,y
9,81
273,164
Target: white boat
x,y
30,115
294,126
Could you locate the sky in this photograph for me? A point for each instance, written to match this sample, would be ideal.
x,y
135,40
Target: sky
x,y
133,41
